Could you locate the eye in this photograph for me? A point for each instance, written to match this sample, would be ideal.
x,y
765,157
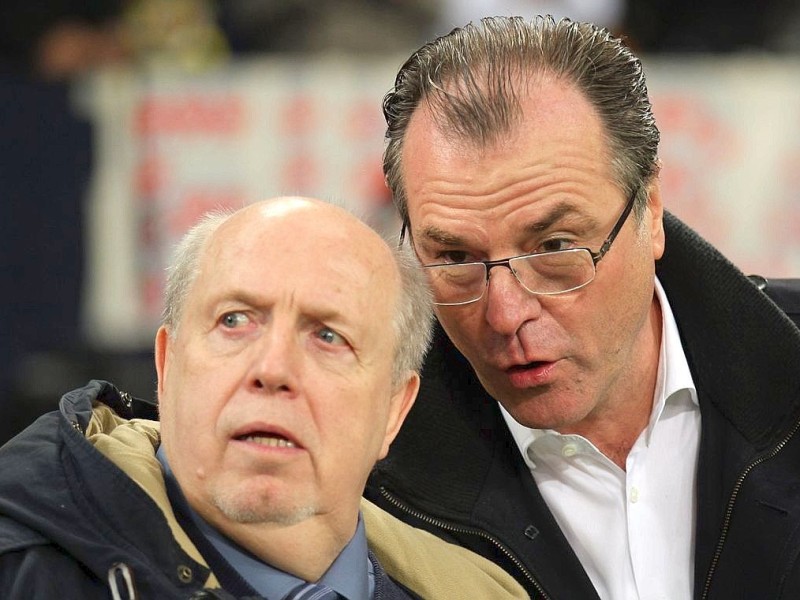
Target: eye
x,y
329,336
232,320
452,257
555,244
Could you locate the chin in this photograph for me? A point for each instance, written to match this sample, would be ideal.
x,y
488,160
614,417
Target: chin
x,y
542,411
250,513
249,507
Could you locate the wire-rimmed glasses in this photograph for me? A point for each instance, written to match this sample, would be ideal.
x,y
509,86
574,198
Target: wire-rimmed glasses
x,y
542,273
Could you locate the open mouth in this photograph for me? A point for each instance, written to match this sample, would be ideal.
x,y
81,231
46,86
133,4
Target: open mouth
x,y
532,374
272,440
531,365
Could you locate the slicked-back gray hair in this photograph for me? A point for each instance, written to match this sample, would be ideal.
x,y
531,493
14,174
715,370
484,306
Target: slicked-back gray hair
x,y
412,322
471,79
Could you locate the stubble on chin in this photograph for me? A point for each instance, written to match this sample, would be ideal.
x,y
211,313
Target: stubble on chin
x,y
250,509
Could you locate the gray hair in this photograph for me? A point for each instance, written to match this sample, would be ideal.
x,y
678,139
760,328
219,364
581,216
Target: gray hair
x,y
185,266
412,322
470,79
413,316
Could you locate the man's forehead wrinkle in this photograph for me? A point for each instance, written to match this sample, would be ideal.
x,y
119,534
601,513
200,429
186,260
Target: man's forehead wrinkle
x,y
358,268
319,308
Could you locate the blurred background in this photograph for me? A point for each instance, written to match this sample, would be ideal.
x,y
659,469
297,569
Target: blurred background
x,y
124,120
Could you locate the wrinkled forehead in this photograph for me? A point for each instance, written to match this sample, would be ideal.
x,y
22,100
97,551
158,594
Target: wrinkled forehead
x,y
319,247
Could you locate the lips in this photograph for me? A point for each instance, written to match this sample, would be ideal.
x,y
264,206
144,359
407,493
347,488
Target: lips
x,y
532,374
531,365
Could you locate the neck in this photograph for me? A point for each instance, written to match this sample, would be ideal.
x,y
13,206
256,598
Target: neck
x,y
615,428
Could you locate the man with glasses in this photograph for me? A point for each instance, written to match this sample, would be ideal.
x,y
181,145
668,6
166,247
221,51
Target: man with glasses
x,y
546,273
610,408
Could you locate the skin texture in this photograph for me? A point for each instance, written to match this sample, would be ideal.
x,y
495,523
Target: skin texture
x,y
547,185
284,334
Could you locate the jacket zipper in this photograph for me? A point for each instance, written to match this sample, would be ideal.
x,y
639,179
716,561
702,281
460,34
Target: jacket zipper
x,y
729,510
470,530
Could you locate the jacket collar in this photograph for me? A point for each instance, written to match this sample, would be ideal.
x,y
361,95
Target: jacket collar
x,y
89,497
749,373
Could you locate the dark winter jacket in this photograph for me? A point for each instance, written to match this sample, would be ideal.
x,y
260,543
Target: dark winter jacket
x,y
456,471
84,511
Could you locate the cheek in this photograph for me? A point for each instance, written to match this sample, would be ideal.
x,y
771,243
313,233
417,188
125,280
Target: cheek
x,y
623,301
189,404
639,278
463,325
355,420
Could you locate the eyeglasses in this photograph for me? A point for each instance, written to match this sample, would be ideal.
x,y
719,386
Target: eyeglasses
x,y
542,273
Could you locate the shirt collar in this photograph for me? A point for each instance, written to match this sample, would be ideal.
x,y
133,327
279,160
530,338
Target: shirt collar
x,y
349,575
672,380
677,376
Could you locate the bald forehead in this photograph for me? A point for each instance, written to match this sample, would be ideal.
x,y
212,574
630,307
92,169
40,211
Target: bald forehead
x,y
301,213
314,229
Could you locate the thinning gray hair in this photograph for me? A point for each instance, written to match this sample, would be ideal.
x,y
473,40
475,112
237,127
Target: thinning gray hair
x,y
471,79
185,266
413,315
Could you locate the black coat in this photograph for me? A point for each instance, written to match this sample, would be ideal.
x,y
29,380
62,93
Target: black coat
x,y
455,470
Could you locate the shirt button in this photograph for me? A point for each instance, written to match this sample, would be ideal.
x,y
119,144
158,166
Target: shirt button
x,y
569,450
634,496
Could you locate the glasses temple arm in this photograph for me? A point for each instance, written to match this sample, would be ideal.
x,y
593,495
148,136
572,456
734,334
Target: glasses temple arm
x,y
402,233
614,232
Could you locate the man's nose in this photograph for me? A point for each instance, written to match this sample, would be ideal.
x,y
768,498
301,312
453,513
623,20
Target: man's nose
x,y
508,304
274,362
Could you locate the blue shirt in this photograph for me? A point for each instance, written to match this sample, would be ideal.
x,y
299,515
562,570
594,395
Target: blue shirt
x,y
351,575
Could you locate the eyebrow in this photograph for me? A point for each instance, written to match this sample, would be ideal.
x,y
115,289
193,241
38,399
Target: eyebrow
x,y
556,214
238,297
551,218
308,312
440,236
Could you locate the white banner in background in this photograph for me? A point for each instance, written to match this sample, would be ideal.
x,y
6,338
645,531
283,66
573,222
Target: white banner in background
x,y
172,146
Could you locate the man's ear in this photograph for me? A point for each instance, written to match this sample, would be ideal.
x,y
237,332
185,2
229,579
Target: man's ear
x,y
401,402
655,219
162,358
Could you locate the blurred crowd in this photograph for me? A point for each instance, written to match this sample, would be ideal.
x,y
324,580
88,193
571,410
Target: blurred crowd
x,y
46,152
56,39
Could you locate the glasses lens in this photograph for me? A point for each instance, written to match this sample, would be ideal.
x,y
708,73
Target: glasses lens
x,y
554,272
457,284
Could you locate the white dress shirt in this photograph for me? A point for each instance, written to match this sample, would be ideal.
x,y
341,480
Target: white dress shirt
x,y
632,530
